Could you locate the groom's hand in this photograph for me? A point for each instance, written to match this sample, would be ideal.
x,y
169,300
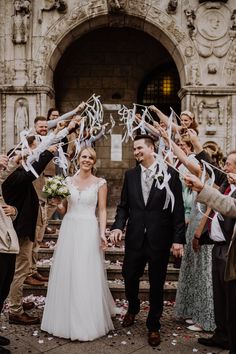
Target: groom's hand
x,y
177,249
115,236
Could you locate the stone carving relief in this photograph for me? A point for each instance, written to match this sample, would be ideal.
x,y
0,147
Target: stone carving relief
x,y
116,6
230,66
50,5
212,33
96,7
190,16
172,7
233,18
20,21
10,73
142,8
210,114
212,68
194,74
189,52
21,117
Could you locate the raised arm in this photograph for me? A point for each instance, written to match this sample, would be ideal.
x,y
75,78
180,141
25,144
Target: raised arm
x,y
176,128
53,123
188,163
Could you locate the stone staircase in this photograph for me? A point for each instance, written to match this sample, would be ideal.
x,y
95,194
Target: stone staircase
x,y
113,264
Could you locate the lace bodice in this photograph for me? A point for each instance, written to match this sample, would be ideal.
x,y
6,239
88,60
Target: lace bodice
x,y
82,203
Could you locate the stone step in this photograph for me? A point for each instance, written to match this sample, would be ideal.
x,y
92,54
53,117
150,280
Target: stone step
x,y
114,271
112,254
57,223
117,290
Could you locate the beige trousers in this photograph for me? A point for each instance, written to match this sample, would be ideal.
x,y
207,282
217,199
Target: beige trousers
x,y
23,263
44,214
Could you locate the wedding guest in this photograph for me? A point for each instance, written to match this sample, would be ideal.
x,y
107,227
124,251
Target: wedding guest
x,y
8,250
79,304
224,266
19,192
151,231
187,121
194,297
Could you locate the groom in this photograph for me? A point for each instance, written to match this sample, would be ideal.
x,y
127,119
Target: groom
x,y
151,232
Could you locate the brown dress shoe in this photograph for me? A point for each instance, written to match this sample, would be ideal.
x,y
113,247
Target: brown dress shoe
x,y
28,306
31,281
39,277
23,319
154,338
128,320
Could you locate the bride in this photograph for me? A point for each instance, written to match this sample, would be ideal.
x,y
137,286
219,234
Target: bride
x,y
79,304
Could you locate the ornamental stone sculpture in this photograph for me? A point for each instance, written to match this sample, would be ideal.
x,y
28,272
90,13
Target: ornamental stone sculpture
x,y
20,21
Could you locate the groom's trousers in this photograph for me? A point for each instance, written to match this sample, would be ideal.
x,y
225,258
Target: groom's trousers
x,y
133,269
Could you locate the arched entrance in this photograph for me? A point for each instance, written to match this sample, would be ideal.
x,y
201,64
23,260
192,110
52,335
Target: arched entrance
x,y
114,63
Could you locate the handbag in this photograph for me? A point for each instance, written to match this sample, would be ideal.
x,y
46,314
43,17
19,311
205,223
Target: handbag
x,y
8,238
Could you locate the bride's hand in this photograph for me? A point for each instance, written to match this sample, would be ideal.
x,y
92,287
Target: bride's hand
x,y
55,201
104,243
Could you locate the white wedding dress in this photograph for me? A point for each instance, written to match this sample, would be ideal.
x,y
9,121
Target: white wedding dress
x,y
79,304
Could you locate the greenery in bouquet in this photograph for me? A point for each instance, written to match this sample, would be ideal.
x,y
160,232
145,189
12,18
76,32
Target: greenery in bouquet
x,y
56,187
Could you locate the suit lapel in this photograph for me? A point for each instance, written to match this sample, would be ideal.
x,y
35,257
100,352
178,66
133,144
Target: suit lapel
x,y
138,184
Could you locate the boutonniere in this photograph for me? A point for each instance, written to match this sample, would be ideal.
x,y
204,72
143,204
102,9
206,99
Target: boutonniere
x,y
159,177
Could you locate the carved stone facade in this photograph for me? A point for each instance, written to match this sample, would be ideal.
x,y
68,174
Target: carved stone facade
x,y
200,37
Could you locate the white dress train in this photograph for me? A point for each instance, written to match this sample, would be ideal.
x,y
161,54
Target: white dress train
x,y
79,304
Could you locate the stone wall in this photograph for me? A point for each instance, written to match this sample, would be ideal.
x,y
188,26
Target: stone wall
x,y
199,36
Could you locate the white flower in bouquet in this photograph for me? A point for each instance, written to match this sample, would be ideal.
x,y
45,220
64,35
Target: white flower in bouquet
x,y
62,190
56,187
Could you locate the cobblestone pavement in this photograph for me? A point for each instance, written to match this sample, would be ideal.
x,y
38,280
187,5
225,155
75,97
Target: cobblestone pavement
x,y
174,335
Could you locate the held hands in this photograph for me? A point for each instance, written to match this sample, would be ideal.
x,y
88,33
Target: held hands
x,y
115,236
177,249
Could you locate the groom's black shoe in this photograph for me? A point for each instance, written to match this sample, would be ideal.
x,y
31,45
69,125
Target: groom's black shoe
x,y
128,320
4,341
214,342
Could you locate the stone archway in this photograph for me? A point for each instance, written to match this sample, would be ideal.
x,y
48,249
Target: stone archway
x,y
86,18
156,25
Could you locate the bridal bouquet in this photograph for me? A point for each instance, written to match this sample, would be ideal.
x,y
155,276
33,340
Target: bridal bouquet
x,y
56,187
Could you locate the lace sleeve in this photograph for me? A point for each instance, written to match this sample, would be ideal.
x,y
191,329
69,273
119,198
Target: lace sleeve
x,y
101,182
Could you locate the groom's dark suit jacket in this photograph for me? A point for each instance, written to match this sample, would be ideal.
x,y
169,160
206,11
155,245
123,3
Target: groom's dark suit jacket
x,y
161,227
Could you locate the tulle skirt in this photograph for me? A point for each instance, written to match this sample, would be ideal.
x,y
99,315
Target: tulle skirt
x,y
79,304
